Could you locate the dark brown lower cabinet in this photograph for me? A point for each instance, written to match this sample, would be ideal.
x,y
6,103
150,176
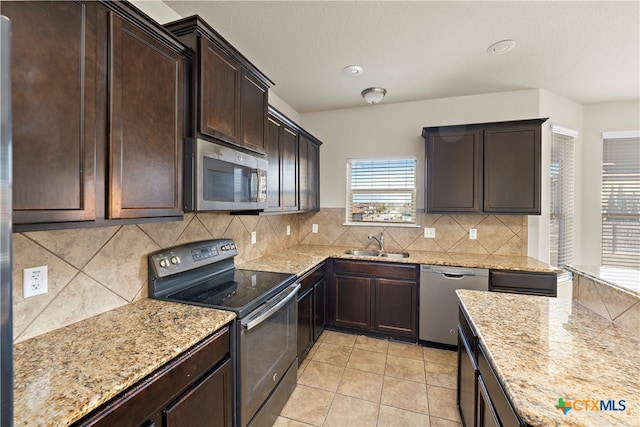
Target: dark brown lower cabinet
x,y
524,282
305,322
197,408
194,389
467,381
480,398
375,297
311,308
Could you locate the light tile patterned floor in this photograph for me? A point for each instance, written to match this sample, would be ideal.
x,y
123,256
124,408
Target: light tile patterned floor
x,y
357,381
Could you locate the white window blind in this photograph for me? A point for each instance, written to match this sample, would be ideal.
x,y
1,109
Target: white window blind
x,y
381,190
562,190
621,202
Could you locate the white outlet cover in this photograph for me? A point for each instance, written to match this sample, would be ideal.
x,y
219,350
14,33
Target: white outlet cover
x,y
314,228
253,238
430,232
473,233
288,230
35,281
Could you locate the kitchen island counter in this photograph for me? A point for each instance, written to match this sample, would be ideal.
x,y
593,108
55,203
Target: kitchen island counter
x,y
546,349
63,375
302,258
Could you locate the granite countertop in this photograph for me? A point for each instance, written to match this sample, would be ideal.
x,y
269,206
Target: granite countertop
x,y
301,258
543,349
63,375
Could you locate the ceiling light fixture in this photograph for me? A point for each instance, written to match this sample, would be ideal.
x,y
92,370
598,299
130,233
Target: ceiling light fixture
x,y
373,95
352,70
501,47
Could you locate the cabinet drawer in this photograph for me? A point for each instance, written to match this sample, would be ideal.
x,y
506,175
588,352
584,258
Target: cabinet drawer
x,y
498,399
312,277
377,269
521,282
145,400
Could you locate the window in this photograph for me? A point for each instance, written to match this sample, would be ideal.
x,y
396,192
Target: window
x,y
562,179
381,191
621,200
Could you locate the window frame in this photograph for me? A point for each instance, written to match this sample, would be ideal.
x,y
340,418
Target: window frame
x,y
349,192
610,258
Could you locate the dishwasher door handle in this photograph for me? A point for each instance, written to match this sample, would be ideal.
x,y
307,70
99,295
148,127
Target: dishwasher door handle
x,y
452,276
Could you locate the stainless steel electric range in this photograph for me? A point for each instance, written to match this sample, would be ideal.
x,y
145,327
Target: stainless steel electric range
x,y
263,338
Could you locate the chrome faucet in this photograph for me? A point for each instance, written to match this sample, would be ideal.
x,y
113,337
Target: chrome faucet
x,y
380,240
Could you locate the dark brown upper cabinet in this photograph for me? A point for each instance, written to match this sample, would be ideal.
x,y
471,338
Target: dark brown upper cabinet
x,y
487,167
146,119
282,154
309,177
54,110
98,96
230,95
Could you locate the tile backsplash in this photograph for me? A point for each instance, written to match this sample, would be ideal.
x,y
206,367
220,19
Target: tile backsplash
x,y
93,270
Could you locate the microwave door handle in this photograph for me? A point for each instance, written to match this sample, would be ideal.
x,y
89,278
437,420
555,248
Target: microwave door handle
x,y
254,177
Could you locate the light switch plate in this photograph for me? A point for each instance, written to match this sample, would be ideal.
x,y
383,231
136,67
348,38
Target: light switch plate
x,y
288,230
314,228
253,238
35,281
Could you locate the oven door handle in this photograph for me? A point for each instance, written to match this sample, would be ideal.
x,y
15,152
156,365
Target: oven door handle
x,y
252,322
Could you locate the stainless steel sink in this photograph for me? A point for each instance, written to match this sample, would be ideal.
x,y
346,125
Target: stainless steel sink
x,y
394,254
361,252
364,252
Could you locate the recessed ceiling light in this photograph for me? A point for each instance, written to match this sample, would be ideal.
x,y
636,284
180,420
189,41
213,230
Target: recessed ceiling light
x,y
352,70
501,47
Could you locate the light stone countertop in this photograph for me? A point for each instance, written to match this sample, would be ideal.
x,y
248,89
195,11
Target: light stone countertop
x,y
621,278
543,349
301,258
63,375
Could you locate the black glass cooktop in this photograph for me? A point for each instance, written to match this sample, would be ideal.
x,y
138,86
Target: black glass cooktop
x,y
237,290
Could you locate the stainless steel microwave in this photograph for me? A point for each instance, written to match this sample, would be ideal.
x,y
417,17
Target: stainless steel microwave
x,y
219,178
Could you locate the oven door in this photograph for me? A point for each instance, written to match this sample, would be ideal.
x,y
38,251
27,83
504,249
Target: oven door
x,y
228,179
267,349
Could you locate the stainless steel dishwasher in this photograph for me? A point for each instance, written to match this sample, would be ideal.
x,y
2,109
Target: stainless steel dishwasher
x,y
439,302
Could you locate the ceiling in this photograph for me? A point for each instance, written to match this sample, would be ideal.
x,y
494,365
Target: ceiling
x,y
584,51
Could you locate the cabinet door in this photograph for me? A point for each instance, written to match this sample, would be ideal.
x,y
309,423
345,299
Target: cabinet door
x,y
352,305
309,177
54,110
319,308
289,164
253,113
305,323
466,389
219,93
454,171
146,135
512,169
274,131
207,404
396,307
486,413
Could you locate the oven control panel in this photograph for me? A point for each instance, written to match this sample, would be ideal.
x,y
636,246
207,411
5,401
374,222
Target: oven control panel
x,y
179,259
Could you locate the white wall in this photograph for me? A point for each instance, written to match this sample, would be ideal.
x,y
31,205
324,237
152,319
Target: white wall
x,y
395,130
598,118
157,10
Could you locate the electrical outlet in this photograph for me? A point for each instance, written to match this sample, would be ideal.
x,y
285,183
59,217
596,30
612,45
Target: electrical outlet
x,y
430,232
34,281
288,230
314,228
253,238
473,233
